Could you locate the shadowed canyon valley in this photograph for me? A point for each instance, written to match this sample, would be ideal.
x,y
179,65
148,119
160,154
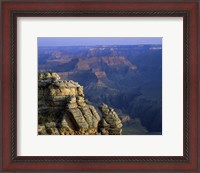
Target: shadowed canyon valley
x,y
126,78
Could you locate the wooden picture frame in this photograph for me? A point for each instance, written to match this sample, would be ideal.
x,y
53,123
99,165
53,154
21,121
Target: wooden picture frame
x,y
11,10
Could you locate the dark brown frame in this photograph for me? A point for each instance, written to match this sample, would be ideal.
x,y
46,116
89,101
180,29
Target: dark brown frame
x,y
186,9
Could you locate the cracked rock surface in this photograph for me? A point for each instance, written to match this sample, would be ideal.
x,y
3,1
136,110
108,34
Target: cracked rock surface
x,y
63,110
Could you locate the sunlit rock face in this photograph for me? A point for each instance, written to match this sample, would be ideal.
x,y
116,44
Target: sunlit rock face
x,y
63,109
110,122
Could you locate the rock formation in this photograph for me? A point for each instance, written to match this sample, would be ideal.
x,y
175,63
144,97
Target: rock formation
x,y
110,122
63,110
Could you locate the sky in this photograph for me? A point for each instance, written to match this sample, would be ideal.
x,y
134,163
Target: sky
x,y
88,41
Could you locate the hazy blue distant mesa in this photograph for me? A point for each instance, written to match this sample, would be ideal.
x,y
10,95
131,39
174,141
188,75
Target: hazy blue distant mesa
x,y
124,73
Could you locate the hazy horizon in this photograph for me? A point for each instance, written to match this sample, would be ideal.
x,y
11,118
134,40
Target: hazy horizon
x,y
52,42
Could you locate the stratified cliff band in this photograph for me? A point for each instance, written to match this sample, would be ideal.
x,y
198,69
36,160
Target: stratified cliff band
x,y
64,110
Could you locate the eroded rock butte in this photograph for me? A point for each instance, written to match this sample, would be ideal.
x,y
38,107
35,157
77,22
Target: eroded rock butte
x,y
64,110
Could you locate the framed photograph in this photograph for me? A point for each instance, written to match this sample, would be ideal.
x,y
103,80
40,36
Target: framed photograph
x,y
100,86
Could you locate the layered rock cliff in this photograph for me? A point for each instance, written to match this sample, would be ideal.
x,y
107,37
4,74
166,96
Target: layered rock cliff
x,y
63,110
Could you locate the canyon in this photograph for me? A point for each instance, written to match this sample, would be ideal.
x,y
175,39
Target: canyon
x,y
127,78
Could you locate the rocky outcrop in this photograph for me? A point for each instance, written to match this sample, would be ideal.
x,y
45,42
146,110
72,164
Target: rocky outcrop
x,y
79,117
53,94
110,122
63,110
